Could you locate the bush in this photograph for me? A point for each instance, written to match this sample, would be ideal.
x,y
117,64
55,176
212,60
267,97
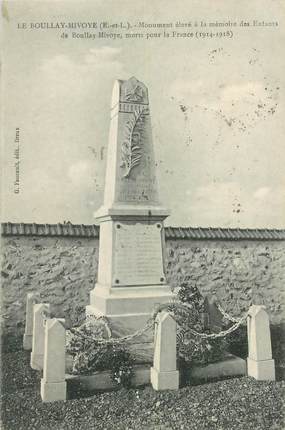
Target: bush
x,y
193,349
121,364
90,352
237,342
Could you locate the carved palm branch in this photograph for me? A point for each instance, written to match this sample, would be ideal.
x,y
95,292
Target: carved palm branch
x,y
131,148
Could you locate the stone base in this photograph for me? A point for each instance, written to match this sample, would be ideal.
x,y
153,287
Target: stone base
x,y
128,310
37,361
53,391
129,300
141,347
164,380
122,325
102,380
261,370
230,366
27,342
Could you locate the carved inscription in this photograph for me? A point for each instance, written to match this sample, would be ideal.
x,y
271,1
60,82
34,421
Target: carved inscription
x,y
138,255
142,191
131,107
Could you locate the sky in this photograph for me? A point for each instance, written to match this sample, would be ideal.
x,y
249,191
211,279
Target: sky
x,y
217,110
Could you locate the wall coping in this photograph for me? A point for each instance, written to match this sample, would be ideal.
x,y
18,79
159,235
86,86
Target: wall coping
x,y
172,233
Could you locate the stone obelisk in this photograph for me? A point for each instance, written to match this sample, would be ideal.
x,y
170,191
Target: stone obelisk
x,y
131,277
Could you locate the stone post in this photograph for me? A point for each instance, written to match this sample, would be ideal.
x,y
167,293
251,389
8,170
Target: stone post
x,y
37,354
260,364
28,335
163,374
213,318
53,385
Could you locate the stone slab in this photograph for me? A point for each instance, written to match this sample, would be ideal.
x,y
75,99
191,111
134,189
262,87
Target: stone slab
x,y
102,380
231,366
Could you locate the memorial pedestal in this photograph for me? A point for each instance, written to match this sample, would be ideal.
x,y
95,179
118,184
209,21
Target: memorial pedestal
x,y
129,310
131,279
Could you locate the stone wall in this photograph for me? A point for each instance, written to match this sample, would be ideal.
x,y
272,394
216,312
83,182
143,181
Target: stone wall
x,y
64,269
237,273
61,269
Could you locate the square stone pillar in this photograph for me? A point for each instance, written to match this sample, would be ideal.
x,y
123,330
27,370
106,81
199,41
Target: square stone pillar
x,y
53,385
32,298
163,374
37,355
260,364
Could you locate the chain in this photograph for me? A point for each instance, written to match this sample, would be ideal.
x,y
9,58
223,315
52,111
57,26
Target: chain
x,y
128,337
102,319
223,333
225,314
150,323
115,340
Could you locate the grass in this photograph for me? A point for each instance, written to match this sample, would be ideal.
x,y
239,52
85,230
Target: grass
x,y
234,404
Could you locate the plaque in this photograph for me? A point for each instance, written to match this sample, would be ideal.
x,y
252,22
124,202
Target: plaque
x,y
138,255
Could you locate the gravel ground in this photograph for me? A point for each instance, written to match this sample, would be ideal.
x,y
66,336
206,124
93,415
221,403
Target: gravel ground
x,y
239,403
